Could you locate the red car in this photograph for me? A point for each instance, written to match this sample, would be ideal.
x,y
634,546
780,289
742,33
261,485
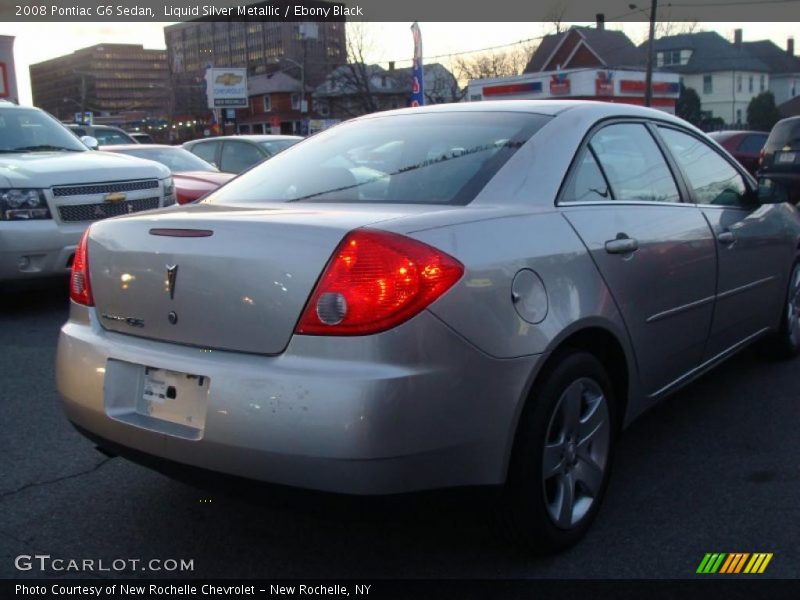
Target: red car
x,y
193,176
744,146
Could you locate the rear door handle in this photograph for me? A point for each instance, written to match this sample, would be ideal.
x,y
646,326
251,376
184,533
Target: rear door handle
x,y
624,245
726,237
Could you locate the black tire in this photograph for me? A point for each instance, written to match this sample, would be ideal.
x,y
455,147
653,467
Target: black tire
x,y
530,514
785,343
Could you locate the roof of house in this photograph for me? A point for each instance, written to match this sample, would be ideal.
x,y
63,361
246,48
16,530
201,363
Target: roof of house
x,y
772,55
710,52
382,81
613,48
270,83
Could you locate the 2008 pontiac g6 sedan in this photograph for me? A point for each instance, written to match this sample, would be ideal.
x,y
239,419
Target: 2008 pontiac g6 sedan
x,y
458,295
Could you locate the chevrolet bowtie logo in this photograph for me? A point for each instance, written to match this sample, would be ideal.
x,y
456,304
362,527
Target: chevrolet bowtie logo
x,y
172,275
115,197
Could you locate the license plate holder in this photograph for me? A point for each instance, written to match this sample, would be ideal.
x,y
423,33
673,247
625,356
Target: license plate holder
x,y
173,396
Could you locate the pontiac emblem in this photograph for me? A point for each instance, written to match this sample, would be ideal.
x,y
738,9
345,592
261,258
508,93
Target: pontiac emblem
x,y
115,197
172,275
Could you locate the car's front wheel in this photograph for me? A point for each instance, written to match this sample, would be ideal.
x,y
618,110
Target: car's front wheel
x,y
562,455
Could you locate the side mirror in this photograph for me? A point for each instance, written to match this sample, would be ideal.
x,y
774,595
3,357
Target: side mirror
x,y
90,142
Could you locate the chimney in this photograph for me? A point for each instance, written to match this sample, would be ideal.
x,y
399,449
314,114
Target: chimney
x,y
391,65
737,38
601,21
790,46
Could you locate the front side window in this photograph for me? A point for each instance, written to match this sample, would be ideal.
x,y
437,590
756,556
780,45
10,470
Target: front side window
x,y
419,158
711,177
633,164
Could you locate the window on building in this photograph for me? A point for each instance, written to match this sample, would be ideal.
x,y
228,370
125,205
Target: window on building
x,y
670,57
267,103
738,83
708,84
761,81
750,84
295,101
738,116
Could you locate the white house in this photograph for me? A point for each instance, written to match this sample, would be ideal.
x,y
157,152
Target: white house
x,y
725,76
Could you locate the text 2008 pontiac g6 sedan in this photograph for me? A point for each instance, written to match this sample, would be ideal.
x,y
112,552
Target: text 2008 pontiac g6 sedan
x,y
488,300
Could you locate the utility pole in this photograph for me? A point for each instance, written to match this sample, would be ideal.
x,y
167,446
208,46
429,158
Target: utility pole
x,y
648,82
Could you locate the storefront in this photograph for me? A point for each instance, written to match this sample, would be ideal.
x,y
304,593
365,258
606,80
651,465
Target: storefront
x,y
607,85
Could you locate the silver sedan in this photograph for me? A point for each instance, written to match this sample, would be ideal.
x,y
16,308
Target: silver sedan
x,y
489,303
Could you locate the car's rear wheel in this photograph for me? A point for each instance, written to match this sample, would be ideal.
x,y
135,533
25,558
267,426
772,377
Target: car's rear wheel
x,y
562,456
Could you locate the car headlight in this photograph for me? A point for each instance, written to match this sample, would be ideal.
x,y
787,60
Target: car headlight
x,y
23,205
169,186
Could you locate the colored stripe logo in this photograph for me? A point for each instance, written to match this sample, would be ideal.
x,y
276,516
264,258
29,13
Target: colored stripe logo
x,y
734,563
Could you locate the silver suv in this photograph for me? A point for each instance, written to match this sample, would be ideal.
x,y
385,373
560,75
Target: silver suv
x,y
52,187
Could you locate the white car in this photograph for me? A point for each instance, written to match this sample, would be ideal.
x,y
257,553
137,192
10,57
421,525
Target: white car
x,y
52,187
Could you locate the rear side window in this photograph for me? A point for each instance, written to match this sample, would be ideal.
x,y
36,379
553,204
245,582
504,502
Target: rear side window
x,y
712,178
588,183
633,164
416,157
206,150
238,156
110,137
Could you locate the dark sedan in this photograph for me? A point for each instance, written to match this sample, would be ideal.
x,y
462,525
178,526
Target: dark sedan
x,y
744,146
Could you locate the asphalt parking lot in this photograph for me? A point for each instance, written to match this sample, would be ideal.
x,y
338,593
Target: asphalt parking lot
x,y
713,469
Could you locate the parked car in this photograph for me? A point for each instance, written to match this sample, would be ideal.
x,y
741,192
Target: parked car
x,y
104,134
52,187
142,138
193,176
781,156
744,146
236,153
532,277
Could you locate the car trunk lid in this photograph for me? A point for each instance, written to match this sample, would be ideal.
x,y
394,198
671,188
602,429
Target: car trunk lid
x,y
217,277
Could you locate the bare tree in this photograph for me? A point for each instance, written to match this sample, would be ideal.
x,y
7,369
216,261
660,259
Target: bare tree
x,y
667,28
350,85
494,63
555,16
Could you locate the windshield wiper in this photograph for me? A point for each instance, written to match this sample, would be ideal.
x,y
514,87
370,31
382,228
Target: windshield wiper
x,y
42,147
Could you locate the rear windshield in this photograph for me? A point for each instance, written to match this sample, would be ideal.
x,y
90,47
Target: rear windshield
x,y
785,133
422,158
275,146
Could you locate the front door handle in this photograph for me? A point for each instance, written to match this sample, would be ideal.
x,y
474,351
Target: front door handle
x,y
622,245
726,237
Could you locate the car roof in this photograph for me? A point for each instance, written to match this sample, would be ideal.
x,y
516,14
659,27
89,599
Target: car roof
x,y
593,108
247,138
140,146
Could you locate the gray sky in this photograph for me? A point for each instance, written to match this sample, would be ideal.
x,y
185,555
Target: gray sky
x,y
387,41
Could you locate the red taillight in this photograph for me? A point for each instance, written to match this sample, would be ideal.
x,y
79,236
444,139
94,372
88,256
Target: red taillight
x,y
374,281
761,157
80,289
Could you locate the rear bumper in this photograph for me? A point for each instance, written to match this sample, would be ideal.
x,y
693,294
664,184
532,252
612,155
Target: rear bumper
x,y
34,249
411,409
